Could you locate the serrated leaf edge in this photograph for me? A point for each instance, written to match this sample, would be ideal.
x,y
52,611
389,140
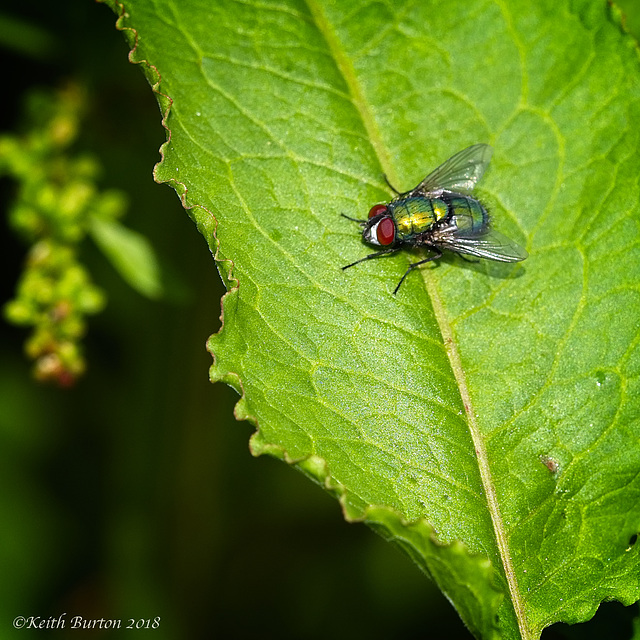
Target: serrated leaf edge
x,y
154,77
317,470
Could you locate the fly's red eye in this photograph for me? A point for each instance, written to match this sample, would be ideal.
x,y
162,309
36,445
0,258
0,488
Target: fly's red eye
x,y
377,209
386,231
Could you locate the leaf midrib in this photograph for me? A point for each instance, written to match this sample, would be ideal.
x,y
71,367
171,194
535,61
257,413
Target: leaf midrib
x,y
375,137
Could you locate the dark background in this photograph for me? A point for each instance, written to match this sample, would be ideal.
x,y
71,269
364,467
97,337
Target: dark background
x,y
133,494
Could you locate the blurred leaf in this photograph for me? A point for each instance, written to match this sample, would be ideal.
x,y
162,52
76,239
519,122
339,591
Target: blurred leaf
x,y
27,38
636,628
55,191
130,253
486,418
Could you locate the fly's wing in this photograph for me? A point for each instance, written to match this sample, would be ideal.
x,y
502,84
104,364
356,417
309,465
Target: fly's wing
x,y
492,246
460,173
480,241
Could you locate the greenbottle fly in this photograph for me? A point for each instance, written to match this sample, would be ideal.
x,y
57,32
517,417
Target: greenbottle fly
x,y
440,214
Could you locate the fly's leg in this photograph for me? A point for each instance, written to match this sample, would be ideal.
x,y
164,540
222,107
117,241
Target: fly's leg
x,y
384,252
413,265
467,259
384,175
398,193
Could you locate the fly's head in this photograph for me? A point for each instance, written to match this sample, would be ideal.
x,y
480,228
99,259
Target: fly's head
x,y
379,229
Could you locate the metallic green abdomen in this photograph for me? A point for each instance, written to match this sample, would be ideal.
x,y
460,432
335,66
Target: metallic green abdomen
x,y
468,215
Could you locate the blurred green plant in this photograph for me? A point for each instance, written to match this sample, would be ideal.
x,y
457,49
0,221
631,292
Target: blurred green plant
x,y
57,203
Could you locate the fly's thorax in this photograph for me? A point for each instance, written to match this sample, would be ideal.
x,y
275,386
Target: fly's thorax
x,y
416,214
468,215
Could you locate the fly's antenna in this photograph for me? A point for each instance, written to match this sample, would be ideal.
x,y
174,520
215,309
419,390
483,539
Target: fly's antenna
x,y
344,215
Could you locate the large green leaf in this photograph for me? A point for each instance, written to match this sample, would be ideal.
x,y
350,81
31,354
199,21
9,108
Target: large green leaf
x,y
487,417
